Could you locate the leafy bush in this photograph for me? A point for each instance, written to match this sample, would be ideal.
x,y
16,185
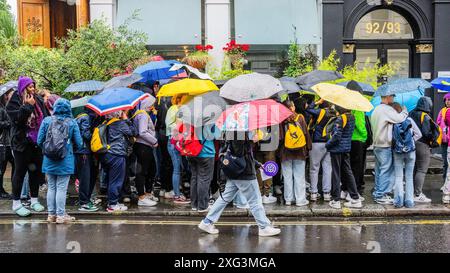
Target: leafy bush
x,y
7,25
300,61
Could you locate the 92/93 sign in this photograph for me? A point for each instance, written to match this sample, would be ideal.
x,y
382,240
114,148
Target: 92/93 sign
x,y
385,27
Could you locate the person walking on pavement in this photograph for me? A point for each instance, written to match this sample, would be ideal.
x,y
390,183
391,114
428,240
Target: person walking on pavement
x,y
241,180
26,110
5,142
382,120
59,161
429,130
319,156
143,148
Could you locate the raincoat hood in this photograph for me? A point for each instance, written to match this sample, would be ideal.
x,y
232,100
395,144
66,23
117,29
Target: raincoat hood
x,y
145,104
62,108
24,82
424,104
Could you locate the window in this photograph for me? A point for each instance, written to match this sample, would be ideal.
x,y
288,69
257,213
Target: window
x,y
383,24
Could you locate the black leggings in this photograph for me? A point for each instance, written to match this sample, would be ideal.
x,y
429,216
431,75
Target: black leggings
x,y
29,161
146,168
7,157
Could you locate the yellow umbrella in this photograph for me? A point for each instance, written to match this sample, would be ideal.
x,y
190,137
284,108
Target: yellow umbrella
x,y
187,86
343,97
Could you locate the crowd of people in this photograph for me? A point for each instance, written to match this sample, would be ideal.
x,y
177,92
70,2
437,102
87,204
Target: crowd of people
x,y
143,159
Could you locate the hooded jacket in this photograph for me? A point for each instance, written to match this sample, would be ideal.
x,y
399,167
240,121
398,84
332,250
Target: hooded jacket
x,y
84,121
66,166
341,137
119,133
444,122
424,105
19,114
144,125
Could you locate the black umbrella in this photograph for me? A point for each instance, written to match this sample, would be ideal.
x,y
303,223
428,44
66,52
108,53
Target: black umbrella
x,y
312,78
203,109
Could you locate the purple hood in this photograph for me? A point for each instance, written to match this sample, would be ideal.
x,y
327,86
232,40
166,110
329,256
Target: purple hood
x,y
23,83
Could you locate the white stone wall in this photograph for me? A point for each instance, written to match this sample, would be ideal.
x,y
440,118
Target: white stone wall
x,y
217,28
103,9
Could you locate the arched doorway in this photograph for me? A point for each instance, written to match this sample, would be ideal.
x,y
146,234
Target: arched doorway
x,y
385,35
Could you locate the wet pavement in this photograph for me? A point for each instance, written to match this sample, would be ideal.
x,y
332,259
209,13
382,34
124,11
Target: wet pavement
x,y
182,235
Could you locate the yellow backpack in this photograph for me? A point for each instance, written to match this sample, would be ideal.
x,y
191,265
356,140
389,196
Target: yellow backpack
x,y
437,141
329,127
295,137
99,141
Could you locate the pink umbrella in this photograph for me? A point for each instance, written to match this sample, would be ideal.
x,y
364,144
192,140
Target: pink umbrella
x,y
252,115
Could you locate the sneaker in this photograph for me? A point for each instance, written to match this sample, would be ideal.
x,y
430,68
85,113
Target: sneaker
x,y
152,197
22,211
117,208
181,200
288,203
126,200
349,198
37,207
327,196
278,190
208,228
51,219
88,207
162,193
353,203
268,231
146,202
385,200
194,209
66,219
169,195
302,204
96,201
26,202
314,196
446,199
344,195
422,199
269,199
335,204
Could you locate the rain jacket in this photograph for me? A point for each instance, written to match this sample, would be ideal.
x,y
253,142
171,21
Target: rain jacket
x,y
341,138
424,105
66,166
5,127
144,125
209,134
119,133
360,132
444,122
382,120
317,129
84,121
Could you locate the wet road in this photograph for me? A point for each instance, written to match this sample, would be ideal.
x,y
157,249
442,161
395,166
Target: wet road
x,y
432,235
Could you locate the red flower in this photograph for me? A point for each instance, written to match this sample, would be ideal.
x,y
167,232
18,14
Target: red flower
x,y
199,47
208,47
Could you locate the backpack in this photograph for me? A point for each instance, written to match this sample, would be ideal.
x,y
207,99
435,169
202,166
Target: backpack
x,y
294,138
329,127
56,139
311,126
99,141
232,166
437,131
185,140
402,137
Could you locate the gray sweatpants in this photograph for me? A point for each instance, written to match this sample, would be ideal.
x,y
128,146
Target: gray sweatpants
x,y
320,156
423,157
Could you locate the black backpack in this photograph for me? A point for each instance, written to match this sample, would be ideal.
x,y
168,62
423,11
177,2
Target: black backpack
x,y
56,139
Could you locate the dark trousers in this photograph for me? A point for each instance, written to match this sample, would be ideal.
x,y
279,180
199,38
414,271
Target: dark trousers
x,y
29,161
202,170
358,163
164,163
342,174
145,169
444,148
85,173
115,169
5,156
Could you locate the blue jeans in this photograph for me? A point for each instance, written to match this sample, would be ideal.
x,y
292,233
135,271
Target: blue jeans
x,y
239,200
294,180
404,195
384,171
56,194
25,194
176,162
250,190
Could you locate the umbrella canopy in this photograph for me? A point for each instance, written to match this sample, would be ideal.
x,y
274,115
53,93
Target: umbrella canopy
x,y
116,99
192,70
203,109
343,97
7,86
289,87
250,87
123,81
81,102
408,100
249,116
312,78
187,86
365,88
155,71
402,86
441,83
86,86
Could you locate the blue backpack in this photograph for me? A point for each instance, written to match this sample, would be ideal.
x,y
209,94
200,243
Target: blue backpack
x,y
402,138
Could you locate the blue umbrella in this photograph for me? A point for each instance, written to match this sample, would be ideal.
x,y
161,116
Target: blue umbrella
x,y
441,83
409,100
116,99
86,86
159,70
367,89
402,86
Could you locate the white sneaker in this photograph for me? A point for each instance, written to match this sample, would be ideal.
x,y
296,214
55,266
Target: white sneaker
x,y
314,196
268,231
162,193
422,199
146,202
116,208
302,204
344,195
349,198
446,199
335,204
288,203
269,199
278,190
353,203
327,196
385,200
209,228
152,197
169,195
126,200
